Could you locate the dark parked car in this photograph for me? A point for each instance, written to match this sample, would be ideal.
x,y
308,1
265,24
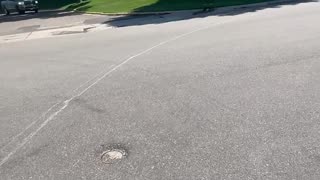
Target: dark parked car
x,y
20,6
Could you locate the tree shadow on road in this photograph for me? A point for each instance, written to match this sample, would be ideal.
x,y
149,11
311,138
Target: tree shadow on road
x,y
136,20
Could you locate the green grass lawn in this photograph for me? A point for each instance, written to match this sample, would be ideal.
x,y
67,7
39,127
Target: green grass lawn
x,y
116,6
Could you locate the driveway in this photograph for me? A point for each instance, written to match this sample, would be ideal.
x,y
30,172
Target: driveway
x,y
214,96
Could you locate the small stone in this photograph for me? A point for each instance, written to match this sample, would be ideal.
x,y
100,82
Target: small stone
x,y
111,156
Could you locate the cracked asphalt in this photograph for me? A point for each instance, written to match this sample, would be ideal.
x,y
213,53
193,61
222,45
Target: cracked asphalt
x,y
211,97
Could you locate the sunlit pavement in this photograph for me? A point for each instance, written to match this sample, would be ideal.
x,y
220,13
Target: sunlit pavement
x,y
215,96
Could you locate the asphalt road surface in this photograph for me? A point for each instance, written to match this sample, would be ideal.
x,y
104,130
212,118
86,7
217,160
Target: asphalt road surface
x,y
233,96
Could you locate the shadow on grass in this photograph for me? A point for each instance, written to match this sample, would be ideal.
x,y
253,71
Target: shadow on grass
x,y
56,4
160,5
208,10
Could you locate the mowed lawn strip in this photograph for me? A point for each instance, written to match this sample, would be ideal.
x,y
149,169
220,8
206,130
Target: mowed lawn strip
x,y
118,6
126,6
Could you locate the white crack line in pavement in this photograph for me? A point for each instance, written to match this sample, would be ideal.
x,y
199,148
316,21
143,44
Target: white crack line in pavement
x,y
67,101
52,107
29,126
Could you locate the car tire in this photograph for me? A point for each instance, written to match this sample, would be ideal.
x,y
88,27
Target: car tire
x,y
36,11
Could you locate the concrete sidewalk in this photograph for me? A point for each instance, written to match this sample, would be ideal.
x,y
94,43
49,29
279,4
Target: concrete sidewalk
x,y
30,22
53,32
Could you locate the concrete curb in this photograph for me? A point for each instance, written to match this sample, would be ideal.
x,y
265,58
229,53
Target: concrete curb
x,y
219,9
